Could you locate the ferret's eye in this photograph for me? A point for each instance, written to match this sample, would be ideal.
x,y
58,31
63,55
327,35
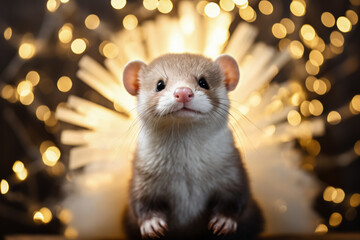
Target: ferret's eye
x,y
203,83
160,85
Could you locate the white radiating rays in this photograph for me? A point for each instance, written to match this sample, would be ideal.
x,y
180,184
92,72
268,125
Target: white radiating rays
x,y
105,144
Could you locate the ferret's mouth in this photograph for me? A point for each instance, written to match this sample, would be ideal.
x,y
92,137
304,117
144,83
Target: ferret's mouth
x,y
184,112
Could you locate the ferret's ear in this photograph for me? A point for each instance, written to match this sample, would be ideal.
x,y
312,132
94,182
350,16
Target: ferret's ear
x,y
231,70
130,76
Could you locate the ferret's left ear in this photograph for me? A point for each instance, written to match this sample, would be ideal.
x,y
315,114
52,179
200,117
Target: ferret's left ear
x,y
130,76
231,70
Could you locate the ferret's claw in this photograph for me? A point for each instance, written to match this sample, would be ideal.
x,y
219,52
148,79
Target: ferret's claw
x,y
154,227
221,225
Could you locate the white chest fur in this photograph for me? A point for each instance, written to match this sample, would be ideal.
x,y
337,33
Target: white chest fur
x,y
186,168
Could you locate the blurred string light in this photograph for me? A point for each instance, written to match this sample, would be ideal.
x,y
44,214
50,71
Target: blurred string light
x,y
266,7
327,19
78,46
8,33
343,24
64,84
247,13
227,5
165,6
118,4
27,50
212,10
130,22
65,33
150,4
298,8
20,170
241,3
92,21
4,186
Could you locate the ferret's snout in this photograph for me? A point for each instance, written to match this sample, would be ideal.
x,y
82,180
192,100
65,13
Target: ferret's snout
x,y
183,94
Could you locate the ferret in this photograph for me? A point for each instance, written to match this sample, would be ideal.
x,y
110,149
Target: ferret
x,y
188,179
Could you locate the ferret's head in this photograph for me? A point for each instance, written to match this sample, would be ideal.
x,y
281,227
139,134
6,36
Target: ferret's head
x,y
182,87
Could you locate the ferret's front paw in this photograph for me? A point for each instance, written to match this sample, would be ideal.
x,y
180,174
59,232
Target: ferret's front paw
x,y
221,225
154,227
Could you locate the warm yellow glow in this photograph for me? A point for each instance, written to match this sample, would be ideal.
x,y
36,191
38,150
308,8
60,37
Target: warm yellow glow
x,y
92,21
334,118
289,25
118,4
44,145
284,43
335,219
65,33
43,113
200,7
38,217
329,193
7,92
65,216
64,84
8,33
110,50
313,148
355,103
241,3
187,24
278,30
307,32
27,50
352,16
294,118
315,107
22,175
52,5
24,88
321,228
304,108
311,69
266,7
4,186
248,14
340,196
28,99
52,121
355,2
18,166
227,5
296,49
64,1
320,44
355,200
51,156
337,39
357,147
47,215
165,6
33,77
71,233
297,98
327,19
212,10
320,87
78,46
255,99
151,4
298,8
130,22
316,58
343,24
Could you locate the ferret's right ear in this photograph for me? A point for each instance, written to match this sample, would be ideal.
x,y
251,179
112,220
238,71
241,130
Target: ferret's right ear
x,y
130,76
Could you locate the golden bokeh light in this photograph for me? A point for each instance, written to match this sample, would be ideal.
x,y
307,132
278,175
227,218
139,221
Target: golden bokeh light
x,y
327,19
64,1
110,50
329,193
28,99
313,147
52,5
355,200
38,217
227,5
316,107
335,219
289,25
8,33
43,113
320,87
200,7
321,228
165,6
311,68
151,4
24,88
51,156
241,3
298,7
339,196
45,145
334,118
118,4
33,77
92,21
130,22
307,32
212,10
294,118
78,46
316,58
352,16
64,84
337,39
27,50
343,24
266,7
47,215
65,33
278,30
284,43
355,104
296,49
4,186
22,175
8,92
304,108
65,216
357,147
248,14
18,166
71,233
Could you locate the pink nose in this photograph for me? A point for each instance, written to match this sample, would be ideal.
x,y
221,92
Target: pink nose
x,y
183,94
